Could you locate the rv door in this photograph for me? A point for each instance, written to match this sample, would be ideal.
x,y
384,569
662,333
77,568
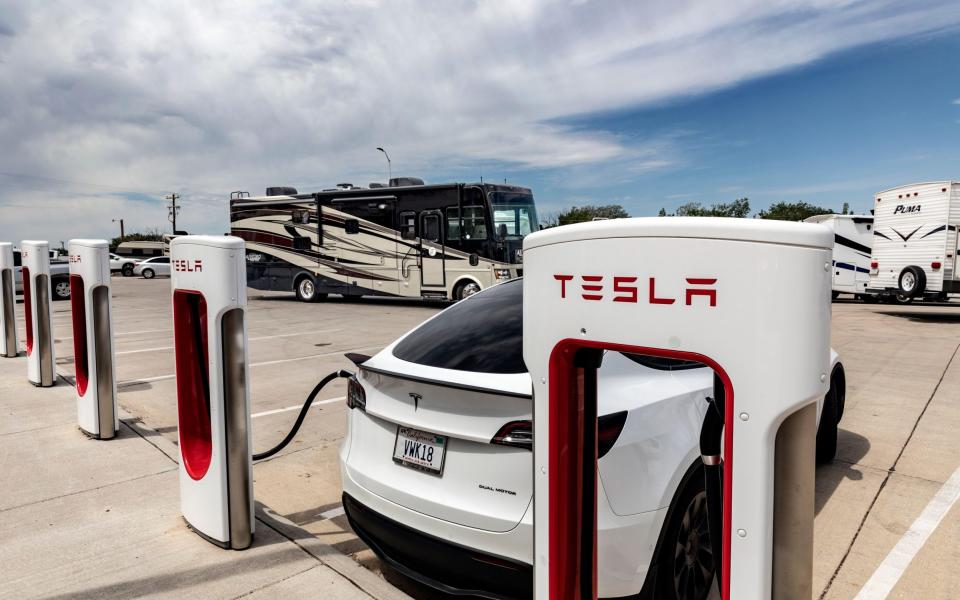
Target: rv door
x,y
431,249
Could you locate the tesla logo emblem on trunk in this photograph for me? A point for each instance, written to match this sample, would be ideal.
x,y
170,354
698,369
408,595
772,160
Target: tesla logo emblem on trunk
x,y
627,289
416,400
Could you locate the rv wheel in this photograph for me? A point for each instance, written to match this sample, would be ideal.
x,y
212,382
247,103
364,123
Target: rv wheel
x,y
465,290
306,290
912,281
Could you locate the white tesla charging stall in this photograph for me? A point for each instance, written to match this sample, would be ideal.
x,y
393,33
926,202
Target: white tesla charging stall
x,y
8,319
209,302
707,290
93,358
37,296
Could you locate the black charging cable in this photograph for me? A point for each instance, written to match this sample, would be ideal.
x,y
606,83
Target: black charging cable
x,y
303,413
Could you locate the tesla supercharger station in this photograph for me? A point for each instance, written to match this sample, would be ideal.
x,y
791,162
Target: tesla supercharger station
x,y
37,296
93,357
8,319
213,404
748,298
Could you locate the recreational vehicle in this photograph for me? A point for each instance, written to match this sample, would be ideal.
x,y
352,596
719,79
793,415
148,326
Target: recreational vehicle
x,y
406,239
915,242
852,237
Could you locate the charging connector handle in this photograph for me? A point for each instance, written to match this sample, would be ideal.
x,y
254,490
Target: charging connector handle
x,y
303,413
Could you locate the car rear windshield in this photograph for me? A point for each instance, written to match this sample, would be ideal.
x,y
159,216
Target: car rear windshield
x,y
483,334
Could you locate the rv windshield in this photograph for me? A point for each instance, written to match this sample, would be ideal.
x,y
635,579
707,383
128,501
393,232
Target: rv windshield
x,y
515,213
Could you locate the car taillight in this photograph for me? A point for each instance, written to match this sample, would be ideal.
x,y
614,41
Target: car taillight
x,y
609,428
519,434
935,265
874,265
356,397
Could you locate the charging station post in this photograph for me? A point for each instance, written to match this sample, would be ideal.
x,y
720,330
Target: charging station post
x,y
706,290
93,358
37,296
8,319
209,304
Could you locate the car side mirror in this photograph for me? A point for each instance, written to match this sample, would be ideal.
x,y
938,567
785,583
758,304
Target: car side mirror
x,y
351,226
474,260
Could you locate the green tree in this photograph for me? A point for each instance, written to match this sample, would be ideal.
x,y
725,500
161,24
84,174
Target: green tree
x,y
739,208
589,212
662,213
793,211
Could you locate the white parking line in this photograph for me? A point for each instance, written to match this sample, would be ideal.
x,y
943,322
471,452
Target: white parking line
x,y
253,339
133,382
333,513
885,578
297,407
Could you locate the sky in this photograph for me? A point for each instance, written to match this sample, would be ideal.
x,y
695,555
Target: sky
x,y
108,106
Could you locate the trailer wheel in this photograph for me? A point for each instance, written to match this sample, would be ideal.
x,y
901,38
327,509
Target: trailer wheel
x,y
912,281
834,295
900,298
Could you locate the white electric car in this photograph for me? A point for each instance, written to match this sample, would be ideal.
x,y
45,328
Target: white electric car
x,y
437,462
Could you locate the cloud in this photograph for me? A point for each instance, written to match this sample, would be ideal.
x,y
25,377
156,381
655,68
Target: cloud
x,y
208,97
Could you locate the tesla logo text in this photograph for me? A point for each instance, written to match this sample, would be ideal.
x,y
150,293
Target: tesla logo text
x,y
901,209
188,266
74,258
416,400
628,289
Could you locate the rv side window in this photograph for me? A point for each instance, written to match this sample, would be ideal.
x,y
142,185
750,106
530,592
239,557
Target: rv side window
x,y
408,225
301,217
474,224
453,223
431,227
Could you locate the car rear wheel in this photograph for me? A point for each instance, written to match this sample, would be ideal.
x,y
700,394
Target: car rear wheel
x,y
148,274
127,270
827,429
685,566
61,289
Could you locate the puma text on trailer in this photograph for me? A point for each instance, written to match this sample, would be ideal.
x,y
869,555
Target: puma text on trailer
x,y
8,319
37,296
96,384
915,241
701,304
213,403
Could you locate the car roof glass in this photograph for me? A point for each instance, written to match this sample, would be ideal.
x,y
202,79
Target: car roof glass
x,y
483,334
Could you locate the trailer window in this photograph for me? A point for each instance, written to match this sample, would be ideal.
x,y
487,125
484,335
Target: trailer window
x,y
483,334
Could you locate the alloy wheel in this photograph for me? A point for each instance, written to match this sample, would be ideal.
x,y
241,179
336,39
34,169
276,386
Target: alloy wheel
x,y
693,565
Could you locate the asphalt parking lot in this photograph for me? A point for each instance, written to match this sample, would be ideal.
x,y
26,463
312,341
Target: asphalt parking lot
x,y
883,516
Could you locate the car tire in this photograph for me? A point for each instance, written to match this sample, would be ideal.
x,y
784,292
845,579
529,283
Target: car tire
x,y
306,290
127,270
834,295
685,569
912,281
465,289
61,289
148,273
827,429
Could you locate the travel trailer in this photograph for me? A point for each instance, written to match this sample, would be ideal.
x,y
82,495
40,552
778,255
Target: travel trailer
x,y
852,238
407,239
915,242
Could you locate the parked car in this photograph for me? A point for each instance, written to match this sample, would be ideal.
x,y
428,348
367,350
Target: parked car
x,y
123,264
59,277
152,267
459,518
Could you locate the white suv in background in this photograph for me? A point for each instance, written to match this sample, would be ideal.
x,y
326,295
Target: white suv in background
x,y
437,463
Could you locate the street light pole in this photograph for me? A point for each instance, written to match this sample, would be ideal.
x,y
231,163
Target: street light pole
x,y
121,228
389,165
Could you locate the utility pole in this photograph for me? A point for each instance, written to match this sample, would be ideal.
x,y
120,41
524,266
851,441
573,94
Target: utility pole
x,y
173,210
121,228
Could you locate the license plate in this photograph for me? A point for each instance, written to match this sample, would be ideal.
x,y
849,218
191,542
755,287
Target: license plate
x,y
420,450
